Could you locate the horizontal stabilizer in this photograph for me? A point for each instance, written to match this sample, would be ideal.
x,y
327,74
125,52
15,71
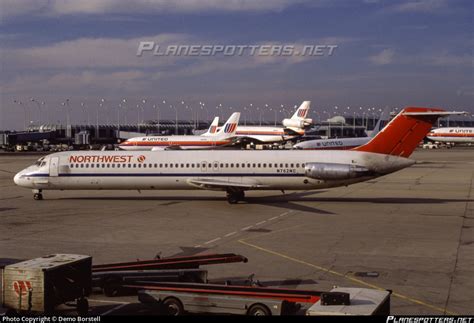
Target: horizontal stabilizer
x,y
436,113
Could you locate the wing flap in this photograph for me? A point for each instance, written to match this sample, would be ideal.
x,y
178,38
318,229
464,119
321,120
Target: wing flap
x,y
216,184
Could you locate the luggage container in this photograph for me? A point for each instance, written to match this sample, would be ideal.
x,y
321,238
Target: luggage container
x,y
39,285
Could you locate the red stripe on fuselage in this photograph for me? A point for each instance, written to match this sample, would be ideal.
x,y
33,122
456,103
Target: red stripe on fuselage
x,y
461,135
257,133
175,143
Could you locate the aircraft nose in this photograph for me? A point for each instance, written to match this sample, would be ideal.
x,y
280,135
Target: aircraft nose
x,y
19,179
16,179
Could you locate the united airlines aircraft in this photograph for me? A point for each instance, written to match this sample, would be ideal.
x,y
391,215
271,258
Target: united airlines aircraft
x,y
211,139
292,128
343,143
452,135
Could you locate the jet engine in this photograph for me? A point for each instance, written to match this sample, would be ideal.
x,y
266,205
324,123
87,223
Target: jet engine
x,y
292,123
330,171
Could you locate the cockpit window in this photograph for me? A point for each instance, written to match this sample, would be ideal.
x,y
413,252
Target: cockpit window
x,y
38,162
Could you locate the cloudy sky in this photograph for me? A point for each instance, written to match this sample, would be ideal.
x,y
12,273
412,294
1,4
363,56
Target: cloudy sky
x,y
390,53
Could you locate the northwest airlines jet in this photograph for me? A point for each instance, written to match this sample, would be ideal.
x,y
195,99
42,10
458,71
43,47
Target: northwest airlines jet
x,y
454,135
211,139
292,128
233,171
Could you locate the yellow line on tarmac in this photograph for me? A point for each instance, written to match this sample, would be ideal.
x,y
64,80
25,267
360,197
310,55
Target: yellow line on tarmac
x,y
361,282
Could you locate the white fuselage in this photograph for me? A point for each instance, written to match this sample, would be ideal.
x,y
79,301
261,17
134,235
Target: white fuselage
x,y
174,170
454,135
181,142
264,134
339,144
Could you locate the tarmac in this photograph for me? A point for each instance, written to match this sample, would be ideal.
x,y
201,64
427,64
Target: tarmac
x,y
411,232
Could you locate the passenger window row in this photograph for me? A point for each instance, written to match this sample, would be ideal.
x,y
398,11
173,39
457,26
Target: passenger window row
x,y
190,165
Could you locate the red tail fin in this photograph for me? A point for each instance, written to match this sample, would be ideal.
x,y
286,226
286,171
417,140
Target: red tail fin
x,y
401,135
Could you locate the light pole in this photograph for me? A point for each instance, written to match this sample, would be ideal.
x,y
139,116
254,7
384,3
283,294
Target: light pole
x,y
200,104
45,111
176,120
251,109
192,114
68,120
138,118
157,118
266,108
373,118
24,112
97,117
353,119
329,124
183,106
66,106
39,109
86,113
118,117
207,112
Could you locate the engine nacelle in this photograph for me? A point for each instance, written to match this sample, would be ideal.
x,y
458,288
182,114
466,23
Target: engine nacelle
x,y
292,123
330,171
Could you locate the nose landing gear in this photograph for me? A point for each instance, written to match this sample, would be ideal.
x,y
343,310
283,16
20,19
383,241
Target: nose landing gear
x,y
38,196
233,197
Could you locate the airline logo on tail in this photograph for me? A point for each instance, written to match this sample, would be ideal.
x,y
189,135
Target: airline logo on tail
x,y
230,127
213,128
299,121
302,113
302,110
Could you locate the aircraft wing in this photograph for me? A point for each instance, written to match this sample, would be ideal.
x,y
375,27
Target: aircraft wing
x,y
174,147
222,185
291,131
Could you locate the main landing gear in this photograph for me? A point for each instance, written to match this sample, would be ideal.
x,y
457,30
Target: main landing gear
x,y
38,196
233,197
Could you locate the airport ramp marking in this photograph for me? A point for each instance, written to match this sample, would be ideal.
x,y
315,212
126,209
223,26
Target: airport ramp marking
x,y
213,240
106,301
244,229
353,279
461,231
115,309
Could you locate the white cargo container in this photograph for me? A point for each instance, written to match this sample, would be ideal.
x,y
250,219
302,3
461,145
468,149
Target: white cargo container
x,y
39,285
